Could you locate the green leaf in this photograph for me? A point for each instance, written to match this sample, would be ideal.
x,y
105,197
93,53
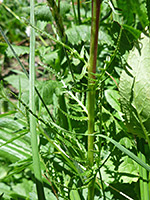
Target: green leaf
x,y
6,190
47,89
129,169
134,90
127,152
74,195
112,98
20,50
148,9
42,12
76,118
24,188
76,34
12,147
11,124
3,47
125,141
136,33
64,8
126,12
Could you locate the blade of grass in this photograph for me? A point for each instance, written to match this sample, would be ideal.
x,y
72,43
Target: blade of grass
x,y
126,151
34,143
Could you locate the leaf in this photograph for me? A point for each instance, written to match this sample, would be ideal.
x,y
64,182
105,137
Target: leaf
x,y
112,98
20,50
10,123
47,89
42,12
126,142
64,8
134,91
12,147
74,194
136,33
126,12
50,57
14,81
6,190
127,152
76,34
3,47
148,9
130,8
24,188
77,118
130,170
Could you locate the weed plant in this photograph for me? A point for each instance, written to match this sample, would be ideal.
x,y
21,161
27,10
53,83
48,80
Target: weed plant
x,y
74,122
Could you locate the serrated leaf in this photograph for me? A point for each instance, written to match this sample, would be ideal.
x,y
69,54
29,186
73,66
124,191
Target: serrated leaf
x,y
64,8
20,50
77,118
42,12
76,34
134,91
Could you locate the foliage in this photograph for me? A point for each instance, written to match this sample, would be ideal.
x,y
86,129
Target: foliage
x,y
121,144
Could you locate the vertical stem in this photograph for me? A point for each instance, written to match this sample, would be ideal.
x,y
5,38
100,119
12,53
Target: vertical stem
x,y
34,144
91,90
78,6
144,182
73,7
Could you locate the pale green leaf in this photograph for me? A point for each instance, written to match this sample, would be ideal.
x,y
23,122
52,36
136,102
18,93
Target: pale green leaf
x,y
130,170
134,89
20,50
18,80
127,152
112,98
74,195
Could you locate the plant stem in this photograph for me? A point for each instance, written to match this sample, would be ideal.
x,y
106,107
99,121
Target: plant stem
x,y
91,94
79,18
34,143
73,7
58,19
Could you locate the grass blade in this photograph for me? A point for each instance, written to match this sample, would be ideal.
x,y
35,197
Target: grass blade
x,y
127,152
34,143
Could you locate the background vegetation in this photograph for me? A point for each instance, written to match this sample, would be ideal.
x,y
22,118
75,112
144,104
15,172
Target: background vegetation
x,y
121,105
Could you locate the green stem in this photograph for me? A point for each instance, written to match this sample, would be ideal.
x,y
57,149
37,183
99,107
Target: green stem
x,y
73,7
58,19
34,143
79,18
91,94
144,184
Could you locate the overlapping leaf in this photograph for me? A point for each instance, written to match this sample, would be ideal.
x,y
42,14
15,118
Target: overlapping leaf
x,y
134,89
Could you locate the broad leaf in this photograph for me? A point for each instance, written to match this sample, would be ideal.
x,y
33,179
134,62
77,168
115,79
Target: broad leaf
x,y
129,169
20,50
134,90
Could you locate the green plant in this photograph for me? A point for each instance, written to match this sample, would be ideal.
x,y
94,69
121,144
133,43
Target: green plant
x,y
78,95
